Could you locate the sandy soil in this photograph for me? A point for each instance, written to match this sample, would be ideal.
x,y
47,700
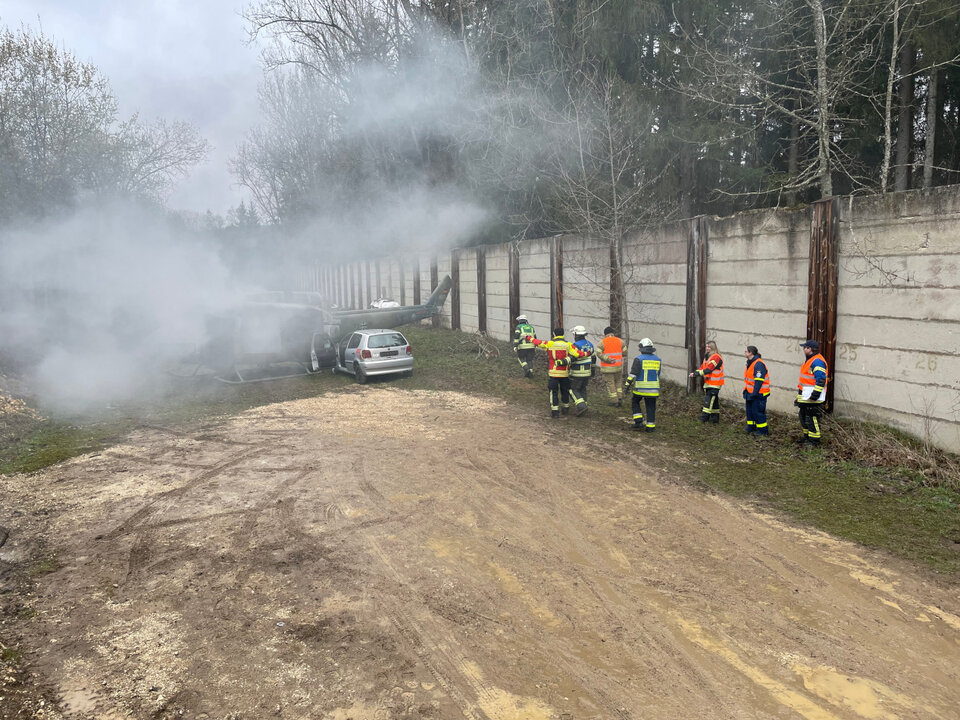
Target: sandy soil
x,y
388,554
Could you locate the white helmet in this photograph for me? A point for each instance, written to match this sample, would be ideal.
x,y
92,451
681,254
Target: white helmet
x,y
646,342
579,330
521,318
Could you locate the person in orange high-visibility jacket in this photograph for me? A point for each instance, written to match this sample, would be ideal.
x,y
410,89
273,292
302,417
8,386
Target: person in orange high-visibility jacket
x,y
560,354
756,389
811,392
610,354
711,370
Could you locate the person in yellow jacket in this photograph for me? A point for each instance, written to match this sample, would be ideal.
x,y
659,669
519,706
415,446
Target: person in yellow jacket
x,y
610,354
560,354
711,370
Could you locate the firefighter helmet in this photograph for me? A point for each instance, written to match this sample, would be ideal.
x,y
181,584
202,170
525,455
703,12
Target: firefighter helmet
x,y
521,318
645,343
579,330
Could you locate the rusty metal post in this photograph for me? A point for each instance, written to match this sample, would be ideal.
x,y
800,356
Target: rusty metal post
x,y
434,281
482,288
455,290
416,281
556,283
616,312
367,273
514,286
696,321
822,283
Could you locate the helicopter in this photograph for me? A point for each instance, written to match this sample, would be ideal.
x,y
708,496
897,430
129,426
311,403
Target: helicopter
x,y
278,334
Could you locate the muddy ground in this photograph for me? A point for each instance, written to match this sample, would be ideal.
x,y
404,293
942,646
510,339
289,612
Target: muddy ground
x,y
390,554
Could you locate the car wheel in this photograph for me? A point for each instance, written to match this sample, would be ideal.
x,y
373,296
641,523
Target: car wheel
x,y
408,373
359,374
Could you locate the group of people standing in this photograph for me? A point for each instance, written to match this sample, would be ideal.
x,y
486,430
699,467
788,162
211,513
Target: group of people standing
x,y
571,364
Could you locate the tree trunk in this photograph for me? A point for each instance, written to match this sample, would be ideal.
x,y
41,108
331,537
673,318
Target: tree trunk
x,y
905,119
824,111
793,158
930,144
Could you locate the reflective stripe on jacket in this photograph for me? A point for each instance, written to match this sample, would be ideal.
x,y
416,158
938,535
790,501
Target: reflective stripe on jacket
x,y
756,374
611,352
813,377
520,334
712,371
559,355
645,375
583,366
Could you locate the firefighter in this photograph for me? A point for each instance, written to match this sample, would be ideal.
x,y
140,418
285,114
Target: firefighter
x,y
523,347
811,392
581,370
644,381
711,370
560,354
756,389
610,353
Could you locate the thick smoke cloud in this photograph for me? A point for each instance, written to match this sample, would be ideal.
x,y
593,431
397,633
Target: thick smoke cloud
x,y
98,302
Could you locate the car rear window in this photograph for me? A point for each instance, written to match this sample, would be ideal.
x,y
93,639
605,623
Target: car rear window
x,y
386,340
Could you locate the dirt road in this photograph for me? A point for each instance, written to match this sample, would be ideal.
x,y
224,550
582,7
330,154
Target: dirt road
x,y
389,554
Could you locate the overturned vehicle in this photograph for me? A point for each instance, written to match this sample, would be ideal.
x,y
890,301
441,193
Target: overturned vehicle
x,y
280,334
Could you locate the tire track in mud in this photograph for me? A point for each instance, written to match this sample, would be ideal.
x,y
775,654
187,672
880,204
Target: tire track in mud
x,y
402,620
135,520
593,566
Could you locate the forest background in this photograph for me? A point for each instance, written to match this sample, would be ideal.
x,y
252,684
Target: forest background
x,y
585,117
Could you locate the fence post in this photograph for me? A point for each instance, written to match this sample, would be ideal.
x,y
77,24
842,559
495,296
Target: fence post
x,y
822,283
482,288
556,283
434,281
696,321
455,290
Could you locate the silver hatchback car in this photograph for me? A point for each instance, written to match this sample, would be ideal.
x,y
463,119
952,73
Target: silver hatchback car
x,y
366,353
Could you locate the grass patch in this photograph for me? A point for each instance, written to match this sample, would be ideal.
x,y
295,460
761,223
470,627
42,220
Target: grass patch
x,y
868,483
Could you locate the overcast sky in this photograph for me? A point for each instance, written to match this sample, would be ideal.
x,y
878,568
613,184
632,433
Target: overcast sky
x,y
165,58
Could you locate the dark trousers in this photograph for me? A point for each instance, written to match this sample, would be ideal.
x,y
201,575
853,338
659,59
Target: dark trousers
x,y
525,358
810,414
648,415
559,388
756,414
711,405
578,389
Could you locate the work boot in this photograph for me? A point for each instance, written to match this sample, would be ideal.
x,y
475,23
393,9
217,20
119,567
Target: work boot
x,y
638,426
649,429
581,409
565,410
554,413
528,372
619,402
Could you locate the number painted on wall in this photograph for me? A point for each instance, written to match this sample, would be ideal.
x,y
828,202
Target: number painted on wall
x,y
928,363
848,352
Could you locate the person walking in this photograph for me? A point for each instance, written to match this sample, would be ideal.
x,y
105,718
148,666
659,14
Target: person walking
x,y
644,381
610,354
560,354
756,389
522,346
811,392
581,369
711,370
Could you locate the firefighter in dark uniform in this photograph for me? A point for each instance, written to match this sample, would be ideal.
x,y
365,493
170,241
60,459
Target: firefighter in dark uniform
x,y
711,370
522,346
560,354
811,392
756,389
644,383
581,370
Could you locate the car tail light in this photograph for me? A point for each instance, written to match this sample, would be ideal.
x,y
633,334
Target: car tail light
x,y
409,350
365,354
